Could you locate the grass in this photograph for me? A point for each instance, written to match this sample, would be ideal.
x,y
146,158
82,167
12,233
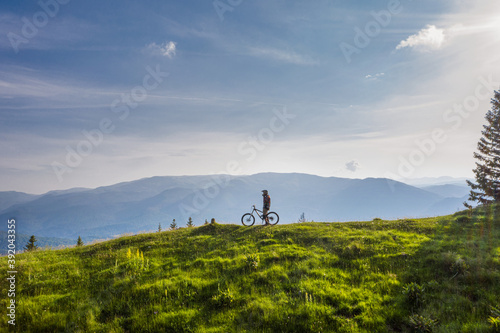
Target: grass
x,y
427,275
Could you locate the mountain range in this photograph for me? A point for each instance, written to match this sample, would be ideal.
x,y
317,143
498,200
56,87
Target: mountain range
x,y
142,205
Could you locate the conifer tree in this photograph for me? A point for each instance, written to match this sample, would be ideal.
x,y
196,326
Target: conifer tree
x,y
206,222
159,227
79,242
30,246
173,225
190,223
486,188
302,218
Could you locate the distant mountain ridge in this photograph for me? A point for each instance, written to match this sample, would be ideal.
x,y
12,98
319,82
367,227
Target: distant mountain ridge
x,y
143,204
10,198
449,190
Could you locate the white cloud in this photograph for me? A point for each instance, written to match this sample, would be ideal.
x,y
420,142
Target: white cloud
x,y
374,77
352,166
430,37
166,49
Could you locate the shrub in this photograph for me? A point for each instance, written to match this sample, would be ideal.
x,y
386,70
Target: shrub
x,y
494,319
422,324
455,264
414,294
463,219
252,261
223,298
460,267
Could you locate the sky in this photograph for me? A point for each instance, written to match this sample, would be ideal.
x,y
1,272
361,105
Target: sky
x,y
93,93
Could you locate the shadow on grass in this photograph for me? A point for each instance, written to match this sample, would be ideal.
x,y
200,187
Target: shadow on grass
x,y
457,273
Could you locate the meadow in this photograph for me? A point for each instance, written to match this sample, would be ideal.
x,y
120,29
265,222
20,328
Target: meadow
x,y
439,274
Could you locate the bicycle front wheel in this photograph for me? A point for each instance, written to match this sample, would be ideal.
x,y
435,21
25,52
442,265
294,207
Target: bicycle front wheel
x,y
273,218
248,220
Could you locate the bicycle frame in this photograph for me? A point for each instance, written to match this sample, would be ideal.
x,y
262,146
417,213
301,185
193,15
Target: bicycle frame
x,y
262,217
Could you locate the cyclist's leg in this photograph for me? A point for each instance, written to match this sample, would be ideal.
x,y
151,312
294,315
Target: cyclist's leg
x,y
264,214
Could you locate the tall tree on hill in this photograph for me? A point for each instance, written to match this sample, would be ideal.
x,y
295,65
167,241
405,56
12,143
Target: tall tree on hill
x,y
79,242
159,227
30,246
486,189
190,223
173,225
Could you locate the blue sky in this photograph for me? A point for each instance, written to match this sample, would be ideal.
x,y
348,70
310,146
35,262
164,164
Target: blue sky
x,y
93,93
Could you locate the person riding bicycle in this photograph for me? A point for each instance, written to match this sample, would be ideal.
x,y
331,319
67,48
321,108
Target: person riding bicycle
x,y
266,205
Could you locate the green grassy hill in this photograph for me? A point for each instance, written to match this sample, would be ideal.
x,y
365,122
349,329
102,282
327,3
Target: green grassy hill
x,y
428,275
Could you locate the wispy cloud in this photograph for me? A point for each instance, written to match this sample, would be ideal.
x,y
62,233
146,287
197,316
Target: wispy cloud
x,y
428,38
167,49
63,33
282,55
374,77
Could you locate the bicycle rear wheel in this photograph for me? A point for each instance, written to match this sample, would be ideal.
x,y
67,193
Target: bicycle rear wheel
x,y
248,220
273,218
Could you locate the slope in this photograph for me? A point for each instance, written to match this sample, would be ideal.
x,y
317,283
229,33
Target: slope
x,y
440,274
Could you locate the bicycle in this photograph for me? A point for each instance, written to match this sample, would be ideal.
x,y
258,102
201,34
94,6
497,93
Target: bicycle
x,y
248,219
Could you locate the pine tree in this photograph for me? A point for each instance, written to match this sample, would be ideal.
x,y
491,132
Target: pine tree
x,y
30,246
190,223
159,227
302,218
173,225
486,189
79,242
206,222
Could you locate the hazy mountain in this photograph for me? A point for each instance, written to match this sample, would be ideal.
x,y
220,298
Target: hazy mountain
x,y
447,206
432,181
143,204
449,190
11,198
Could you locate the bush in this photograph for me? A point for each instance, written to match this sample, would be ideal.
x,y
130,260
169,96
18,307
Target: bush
x,y
494,319
252,261
455,264
422,324
223,298
462,219
414,294
460,267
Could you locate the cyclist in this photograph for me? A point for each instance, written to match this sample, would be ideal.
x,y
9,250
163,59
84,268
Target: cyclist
x,y
267,204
